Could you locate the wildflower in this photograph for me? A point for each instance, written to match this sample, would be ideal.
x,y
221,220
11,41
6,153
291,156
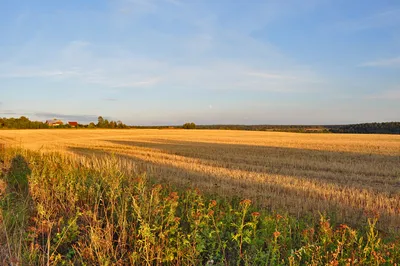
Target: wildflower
x,y
245,202
210,213
196,215
173,196
343,226
276,234
278,217
325,225
255,214
213,203
157,187
334,262
177,219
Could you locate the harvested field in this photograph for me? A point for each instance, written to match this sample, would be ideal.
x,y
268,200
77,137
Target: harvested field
x,y
349,175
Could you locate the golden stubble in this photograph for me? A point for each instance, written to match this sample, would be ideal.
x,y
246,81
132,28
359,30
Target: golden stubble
x,y
349,174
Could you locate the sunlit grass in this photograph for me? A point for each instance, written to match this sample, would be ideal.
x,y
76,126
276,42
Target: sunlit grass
x,y
105,210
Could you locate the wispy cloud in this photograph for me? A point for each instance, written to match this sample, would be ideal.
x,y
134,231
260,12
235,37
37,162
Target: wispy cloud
x,y
386,95
390,62
68,117
36,73
271,76
142,83
111,99
84,63
9,112
297,76
382,19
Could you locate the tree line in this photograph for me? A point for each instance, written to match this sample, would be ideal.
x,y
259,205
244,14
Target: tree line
x,y
104,123
364,128
21,123
279,128
25,123
368,128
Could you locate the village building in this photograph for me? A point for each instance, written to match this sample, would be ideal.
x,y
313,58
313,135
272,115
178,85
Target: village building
x,y
54,122
73,124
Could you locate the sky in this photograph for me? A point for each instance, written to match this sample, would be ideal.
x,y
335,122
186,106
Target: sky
x,y
159,62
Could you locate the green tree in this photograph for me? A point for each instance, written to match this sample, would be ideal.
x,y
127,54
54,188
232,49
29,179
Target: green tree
x,y
106,124
189,125
113,124
100,122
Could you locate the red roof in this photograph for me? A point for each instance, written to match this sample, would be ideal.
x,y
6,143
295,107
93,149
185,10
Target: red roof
x,y
73,123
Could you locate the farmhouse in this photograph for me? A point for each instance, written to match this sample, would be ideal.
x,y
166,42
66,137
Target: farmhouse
x,y
73,124
54,122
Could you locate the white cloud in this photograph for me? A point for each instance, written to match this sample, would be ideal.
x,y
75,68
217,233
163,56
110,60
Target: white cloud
x,y
390,62
113,67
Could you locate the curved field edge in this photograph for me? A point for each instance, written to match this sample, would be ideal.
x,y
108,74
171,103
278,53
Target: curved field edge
x,y
58,209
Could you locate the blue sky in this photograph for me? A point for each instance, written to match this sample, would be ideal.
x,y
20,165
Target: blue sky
x,y
155,62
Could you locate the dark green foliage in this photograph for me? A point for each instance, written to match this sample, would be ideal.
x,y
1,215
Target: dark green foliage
x,y
376,128
371,128
189,125
279,128
104,123
21,123
100,121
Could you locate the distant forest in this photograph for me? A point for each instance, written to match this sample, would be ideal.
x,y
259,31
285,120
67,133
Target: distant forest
x,y
376,128
365,128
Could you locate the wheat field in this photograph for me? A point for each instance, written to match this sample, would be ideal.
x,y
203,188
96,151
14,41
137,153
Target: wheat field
x,y
346,175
